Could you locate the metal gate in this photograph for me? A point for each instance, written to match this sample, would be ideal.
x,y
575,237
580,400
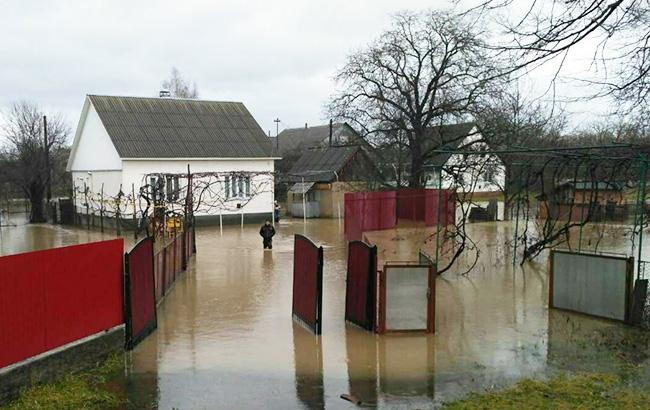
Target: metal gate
x,y
360,290
594,284
140,292
407,294
307,283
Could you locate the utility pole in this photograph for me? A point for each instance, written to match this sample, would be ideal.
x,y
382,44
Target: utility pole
x,y
47,161
277,131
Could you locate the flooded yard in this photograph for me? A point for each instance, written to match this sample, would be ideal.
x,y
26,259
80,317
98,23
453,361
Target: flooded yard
x,y
225,336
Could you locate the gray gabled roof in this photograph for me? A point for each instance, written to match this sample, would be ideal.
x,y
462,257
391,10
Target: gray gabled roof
x,y
321,164
445,138
310,137
142,127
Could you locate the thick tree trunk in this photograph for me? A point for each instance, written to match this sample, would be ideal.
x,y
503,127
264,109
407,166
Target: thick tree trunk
x,y
36,197
415,178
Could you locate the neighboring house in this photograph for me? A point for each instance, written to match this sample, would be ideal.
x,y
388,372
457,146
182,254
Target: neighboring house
x,y
292,140
323,176
584,192
579,200
121,140
482,175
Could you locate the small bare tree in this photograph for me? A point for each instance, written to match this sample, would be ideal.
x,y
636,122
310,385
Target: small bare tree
x,y
426,70
27,153
509,121
179,87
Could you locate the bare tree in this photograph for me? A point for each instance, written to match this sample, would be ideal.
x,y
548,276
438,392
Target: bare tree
x,y
179,87
26,165
616,32
427,69
510,121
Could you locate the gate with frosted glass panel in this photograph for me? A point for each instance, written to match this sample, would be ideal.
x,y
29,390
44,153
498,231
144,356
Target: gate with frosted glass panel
x,y
406,298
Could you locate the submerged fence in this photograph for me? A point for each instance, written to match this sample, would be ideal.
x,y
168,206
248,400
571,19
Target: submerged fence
x,y
373,211
369,211
170,259
54,297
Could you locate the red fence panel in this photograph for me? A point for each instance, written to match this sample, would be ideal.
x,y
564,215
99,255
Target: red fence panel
x,y
369,211
140,292
360,301
307,283
447,208
159,269
411,204
178,252
56,296
169,267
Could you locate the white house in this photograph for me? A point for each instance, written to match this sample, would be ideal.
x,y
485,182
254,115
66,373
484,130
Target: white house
x,y
460,150
121,141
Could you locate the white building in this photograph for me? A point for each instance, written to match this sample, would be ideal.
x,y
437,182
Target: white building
x,y
121,141
473,171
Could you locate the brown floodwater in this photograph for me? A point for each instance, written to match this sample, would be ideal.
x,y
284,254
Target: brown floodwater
x,y
225,336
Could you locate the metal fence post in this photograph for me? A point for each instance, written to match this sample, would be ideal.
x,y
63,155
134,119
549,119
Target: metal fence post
x,y
438,215
644,171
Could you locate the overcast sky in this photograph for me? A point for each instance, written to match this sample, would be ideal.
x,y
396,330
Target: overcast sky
x,y
278,57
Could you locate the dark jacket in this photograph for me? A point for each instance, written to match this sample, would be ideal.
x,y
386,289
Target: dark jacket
x,y
267,231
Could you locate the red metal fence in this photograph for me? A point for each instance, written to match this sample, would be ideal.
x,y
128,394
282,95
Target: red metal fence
x,y
170,260
373,211
447,207
411,203
140,292
307,283
369,211
360,290
53,297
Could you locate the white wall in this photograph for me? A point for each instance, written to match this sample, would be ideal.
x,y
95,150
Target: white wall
x,y
93,181
135,171
93,149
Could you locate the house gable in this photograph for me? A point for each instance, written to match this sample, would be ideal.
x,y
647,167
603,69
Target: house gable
x,y
92,149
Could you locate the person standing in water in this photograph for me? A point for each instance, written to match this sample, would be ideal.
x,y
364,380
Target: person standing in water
x,y
276,212
267,231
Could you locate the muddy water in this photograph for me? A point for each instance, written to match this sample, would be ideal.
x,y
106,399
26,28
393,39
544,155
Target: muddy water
x,y
22,237
225,337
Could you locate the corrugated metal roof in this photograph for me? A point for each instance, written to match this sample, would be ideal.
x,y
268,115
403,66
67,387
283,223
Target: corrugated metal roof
x,y
300,187
320,164
310,137
142,127
445,137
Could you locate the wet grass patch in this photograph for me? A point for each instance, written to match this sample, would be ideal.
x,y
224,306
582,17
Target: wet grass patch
x,y
588,391
83,390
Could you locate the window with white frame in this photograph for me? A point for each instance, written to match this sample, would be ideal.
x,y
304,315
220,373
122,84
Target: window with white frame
x,y
172,187
237,186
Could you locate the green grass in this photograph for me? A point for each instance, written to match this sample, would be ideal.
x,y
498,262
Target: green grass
x,y
84,390
586,391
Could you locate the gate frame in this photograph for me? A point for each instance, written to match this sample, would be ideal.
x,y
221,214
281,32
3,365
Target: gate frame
x,y
130,341
431,299
317,327
371,302
629,283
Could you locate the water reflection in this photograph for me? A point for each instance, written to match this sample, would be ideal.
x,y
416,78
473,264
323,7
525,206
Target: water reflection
x,y
308,361
361,358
